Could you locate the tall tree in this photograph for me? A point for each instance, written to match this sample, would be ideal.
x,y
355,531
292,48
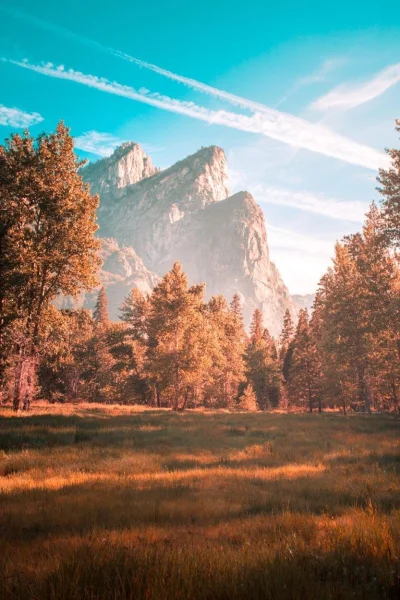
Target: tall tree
x,y
129,346
389,181
304,374
100,313
47,243
262,364
226,344
287,334
176,341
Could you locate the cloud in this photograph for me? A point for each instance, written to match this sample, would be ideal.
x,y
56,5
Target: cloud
x,y
101,144
277,125
56,29
14,117
345,97
302,259
340,210
317,76
283,239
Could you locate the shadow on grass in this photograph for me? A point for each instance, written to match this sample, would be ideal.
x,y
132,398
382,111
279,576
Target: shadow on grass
x,y
196,430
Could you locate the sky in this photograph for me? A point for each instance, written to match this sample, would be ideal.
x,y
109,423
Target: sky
x,y
301,96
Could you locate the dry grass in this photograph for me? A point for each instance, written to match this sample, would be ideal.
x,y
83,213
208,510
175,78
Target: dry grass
x,y
119,503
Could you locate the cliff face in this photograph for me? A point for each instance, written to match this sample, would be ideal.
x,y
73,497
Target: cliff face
x,y
109,177
121,270
186,213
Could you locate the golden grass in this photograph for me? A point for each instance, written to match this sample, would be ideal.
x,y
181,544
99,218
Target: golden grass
x,y
116,502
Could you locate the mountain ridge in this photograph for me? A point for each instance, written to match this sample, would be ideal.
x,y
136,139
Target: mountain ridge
x,y
187,213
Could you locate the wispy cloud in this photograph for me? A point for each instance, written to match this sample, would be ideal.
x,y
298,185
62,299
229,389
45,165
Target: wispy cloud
x,y
277,125
14,117
345,97
101,144
57,29
284,239
319,75
340,210
302,259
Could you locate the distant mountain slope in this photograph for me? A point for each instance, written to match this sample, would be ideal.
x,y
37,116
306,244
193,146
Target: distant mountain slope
x,y
186,213
304,301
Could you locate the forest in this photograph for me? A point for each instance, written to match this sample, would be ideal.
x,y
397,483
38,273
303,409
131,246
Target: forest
x,y
173,348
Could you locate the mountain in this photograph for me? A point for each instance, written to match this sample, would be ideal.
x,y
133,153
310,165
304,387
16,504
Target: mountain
x,y
304,301
185,213
109,177
122,269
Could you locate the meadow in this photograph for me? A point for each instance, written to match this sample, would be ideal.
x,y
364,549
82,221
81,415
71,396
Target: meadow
x,y
112,502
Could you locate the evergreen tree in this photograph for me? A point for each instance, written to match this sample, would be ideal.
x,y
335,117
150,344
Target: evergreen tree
x,y
176,338
256,326
304,376
248,399
262,364
128,347
226,344
287,334
236,307
100,313
389,181
135,312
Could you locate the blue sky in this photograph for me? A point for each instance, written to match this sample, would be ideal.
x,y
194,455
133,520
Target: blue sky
x,y
301,96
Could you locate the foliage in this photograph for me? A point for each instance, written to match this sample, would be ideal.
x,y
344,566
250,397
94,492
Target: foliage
x,y
47,243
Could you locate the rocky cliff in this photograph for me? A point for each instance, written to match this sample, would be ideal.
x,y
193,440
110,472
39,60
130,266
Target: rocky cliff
x,y
185,213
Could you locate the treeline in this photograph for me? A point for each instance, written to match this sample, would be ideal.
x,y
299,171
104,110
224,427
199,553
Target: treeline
x,y
173,348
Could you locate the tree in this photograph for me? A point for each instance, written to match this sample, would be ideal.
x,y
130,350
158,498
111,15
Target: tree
x,y
236,307
65,336
100,313
176,342
287,334
304,374
225,346
47,243
358,313
248,399
262,364
129,346
390,189
134,312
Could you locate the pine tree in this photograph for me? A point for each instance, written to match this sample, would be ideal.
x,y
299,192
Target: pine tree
x,y
100,313
287,334
304,375
262,364
134,312
129,346
176,338
248,399
390,190
226,344
256,326
236,307
342,344
47,243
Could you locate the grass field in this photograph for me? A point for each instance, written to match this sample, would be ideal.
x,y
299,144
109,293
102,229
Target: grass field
x,y
116,503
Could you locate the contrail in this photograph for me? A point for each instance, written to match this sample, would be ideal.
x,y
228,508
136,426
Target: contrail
x,y
287,128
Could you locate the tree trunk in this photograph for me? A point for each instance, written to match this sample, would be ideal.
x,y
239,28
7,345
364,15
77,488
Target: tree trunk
x,y
24,381
395,396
